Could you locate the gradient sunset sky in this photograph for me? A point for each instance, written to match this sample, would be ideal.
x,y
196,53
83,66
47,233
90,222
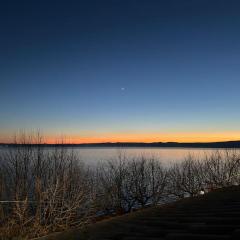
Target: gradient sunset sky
x,y
121,70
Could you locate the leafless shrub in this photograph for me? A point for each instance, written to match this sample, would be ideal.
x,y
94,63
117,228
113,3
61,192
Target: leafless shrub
x,y
217,169
222,168
130,182
148,180
46,191
186,177
114,185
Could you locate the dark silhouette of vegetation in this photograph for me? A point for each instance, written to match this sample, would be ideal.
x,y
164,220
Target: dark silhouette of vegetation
x,y
47,190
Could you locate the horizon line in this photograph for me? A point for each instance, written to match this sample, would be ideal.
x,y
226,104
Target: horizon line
x,y
119,142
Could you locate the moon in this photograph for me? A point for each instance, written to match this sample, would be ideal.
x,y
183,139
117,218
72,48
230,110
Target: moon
x,y
122,89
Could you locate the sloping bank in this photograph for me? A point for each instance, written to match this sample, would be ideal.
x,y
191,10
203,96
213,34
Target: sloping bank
x,y
215,215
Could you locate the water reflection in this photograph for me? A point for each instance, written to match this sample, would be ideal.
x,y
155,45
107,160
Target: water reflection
x,y
94,155
165,155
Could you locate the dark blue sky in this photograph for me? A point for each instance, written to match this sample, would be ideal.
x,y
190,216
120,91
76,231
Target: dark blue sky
x,y
63,65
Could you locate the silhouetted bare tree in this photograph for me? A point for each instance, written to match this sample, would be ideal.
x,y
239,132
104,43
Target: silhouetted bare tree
x,y
148,180
222,168
187,177
46,190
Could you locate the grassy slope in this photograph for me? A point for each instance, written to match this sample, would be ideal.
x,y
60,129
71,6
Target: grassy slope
x,y
213,216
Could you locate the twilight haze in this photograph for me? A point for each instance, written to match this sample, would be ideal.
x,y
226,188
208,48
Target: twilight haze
x,y
121,70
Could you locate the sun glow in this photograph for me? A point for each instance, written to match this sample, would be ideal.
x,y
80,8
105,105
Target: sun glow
x,y
146,137
149,137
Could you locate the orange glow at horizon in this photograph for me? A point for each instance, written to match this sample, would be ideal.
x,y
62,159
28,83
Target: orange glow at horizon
x,y
140,137
156,137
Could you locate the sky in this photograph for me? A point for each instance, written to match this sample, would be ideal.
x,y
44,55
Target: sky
x,y
120,70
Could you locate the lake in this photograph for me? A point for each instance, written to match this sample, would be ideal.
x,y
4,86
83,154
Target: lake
x,y
165,155
94,155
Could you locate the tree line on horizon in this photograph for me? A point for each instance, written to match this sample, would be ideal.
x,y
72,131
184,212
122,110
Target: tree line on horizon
x,y
222,144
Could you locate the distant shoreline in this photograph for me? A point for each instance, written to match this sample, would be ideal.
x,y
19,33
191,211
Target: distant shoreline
x,y
227,144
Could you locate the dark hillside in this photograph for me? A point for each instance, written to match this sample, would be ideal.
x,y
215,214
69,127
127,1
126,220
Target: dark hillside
x,y
227,144
215,215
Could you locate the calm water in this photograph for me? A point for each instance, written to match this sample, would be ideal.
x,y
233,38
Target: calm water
x,y
93,155
165,155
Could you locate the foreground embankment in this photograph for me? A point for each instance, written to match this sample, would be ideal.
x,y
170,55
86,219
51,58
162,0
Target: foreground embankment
x,y
215,215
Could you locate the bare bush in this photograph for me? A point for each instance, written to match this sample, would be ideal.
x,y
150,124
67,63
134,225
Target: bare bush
x,y
128,183
115,185
222,168
186,178
46,191
148,180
